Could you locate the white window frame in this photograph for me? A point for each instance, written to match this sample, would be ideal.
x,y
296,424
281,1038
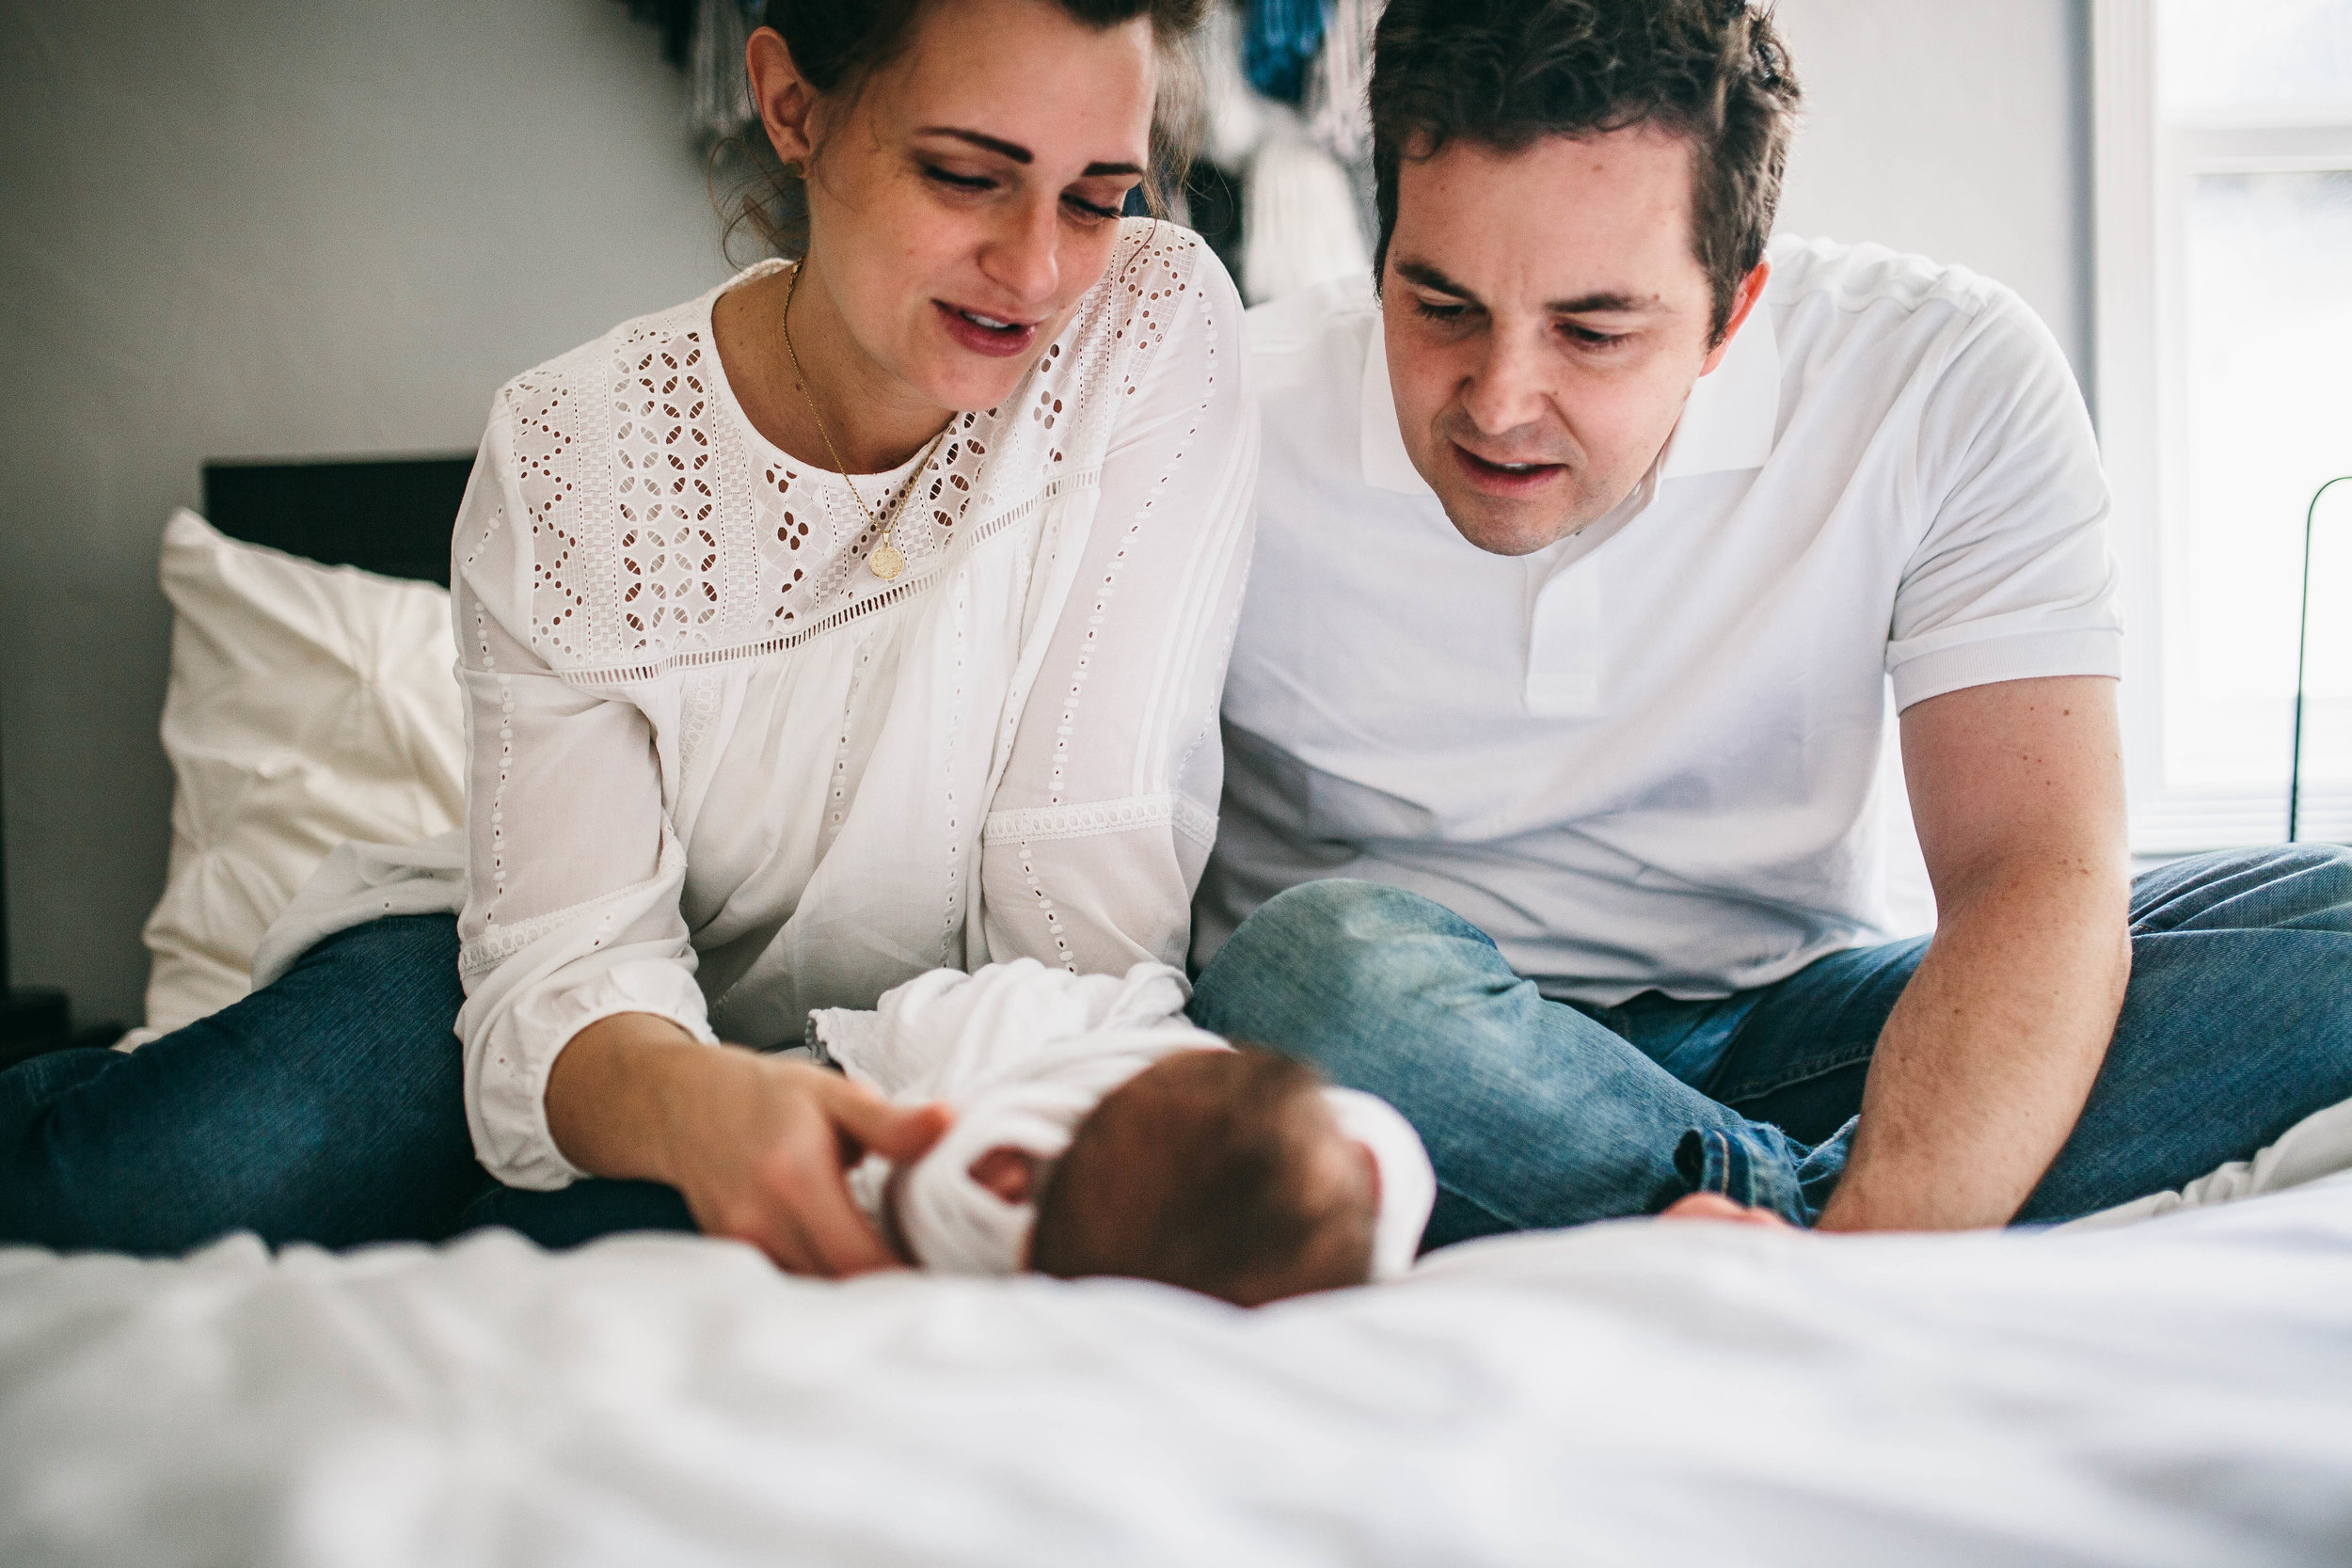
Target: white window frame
x,y
2141,176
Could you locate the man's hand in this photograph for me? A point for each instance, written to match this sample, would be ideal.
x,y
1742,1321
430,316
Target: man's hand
x,y
1983,1065
1714,1206
760,1148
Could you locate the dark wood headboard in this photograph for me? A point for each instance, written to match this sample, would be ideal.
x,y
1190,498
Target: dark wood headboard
x,y
391,515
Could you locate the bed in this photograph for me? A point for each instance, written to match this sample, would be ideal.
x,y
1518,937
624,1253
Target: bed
x,y
2169,1393
2176,1392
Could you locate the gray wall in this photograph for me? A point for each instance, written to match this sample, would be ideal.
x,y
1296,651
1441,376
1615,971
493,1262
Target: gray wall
x,y
241,228
1958,130
258,227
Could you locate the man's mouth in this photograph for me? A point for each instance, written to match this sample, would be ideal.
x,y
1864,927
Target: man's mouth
x,y
1504,479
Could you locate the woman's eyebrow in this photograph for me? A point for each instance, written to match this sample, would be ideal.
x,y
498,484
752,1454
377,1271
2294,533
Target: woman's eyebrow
x,y
1017,152
997,145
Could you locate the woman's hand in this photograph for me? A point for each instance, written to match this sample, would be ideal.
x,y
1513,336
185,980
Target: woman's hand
x,y
760,1148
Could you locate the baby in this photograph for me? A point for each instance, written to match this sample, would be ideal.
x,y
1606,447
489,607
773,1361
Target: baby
x,y
1098,1131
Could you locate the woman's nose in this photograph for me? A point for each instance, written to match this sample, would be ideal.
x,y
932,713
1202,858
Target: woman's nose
x,y
1023,258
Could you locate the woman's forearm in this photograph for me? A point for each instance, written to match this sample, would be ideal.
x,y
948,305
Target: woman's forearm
x,y
612,1094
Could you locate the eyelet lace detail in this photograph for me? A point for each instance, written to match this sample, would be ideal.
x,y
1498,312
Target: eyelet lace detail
x,y
1167,809
664,534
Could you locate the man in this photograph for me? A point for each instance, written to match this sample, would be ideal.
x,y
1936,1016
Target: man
x,y
1589,551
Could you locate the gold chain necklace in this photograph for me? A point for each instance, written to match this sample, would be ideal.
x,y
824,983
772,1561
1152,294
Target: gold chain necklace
x,y
886,562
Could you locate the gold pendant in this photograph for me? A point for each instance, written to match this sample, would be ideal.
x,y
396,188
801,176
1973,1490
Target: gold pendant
x,y
887,563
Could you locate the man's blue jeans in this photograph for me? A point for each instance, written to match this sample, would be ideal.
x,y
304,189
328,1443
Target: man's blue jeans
x,y
2237,1024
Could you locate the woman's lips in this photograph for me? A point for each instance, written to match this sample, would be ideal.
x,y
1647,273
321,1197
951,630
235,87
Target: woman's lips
x,y
1498,479
973,329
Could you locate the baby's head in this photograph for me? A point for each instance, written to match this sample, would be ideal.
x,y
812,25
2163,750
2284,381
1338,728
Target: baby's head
x,y
1221,1171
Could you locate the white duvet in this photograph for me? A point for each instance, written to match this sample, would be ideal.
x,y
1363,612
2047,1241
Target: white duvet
x,y
2169,1393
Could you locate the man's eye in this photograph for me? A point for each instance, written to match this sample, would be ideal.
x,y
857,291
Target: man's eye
x,y
959,181
1439,313
1584,337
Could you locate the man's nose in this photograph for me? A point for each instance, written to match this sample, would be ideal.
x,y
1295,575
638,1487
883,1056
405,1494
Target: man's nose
x,y
1023,258
1510,389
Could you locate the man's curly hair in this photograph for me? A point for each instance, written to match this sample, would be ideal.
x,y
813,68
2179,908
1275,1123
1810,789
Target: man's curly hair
x,y
1507,72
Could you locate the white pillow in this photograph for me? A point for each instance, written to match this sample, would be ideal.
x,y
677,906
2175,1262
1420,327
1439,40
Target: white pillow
x,y
308,704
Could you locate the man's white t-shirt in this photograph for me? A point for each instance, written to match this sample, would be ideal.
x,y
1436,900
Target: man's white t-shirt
x,y
1646,756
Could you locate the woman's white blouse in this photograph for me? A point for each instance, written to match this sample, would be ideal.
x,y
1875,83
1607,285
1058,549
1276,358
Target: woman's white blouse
x,y
722,773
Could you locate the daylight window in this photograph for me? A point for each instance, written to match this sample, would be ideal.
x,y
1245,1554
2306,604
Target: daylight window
x,y
2242,271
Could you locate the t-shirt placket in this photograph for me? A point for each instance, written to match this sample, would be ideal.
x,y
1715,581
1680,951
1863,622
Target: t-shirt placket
x,y
1563,642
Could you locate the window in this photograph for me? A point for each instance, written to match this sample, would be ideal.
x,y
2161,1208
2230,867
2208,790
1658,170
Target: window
x,y
2224,231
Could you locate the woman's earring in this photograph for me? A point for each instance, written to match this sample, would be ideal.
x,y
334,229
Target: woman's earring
x,y
797,170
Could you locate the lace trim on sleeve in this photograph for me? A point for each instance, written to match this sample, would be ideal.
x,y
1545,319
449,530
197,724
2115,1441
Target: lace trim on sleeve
x,y
1167,809
502,942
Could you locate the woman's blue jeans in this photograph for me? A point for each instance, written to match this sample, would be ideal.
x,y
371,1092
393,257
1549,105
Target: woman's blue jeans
x,y
2236,1026
327,1107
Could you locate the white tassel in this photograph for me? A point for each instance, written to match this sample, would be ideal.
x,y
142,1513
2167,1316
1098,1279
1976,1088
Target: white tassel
x,y
722,90
1298,223
1338,107
1232,112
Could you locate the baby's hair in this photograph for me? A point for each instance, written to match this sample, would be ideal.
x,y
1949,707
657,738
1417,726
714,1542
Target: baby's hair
x,y
1211,1171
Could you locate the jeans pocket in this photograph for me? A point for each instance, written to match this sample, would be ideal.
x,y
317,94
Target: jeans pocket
x,y
1808,1099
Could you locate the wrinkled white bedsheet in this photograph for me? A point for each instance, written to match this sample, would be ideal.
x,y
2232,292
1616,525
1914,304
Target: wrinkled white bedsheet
x,y
2170,1393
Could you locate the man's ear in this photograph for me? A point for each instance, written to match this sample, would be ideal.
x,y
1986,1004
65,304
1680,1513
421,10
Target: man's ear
x,y
1743,300
785,98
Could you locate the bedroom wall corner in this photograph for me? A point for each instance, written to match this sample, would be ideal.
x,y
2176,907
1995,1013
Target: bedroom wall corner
x,y
261,227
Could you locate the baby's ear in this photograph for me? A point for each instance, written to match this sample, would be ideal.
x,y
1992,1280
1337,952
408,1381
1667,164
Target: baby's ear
x,y
1010,1173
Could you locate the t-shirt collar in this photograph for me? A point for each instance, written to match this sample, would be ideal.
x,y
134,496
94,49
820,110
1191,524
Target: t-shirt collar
x,y
1728,423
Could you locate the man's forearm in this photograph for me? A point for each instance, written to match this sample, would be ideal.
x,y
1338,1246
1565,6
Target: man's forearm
x,y
1985,1063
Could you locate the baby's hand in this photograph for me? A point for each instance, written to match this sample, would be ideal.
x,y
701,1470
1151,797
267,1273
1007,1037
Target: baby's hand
x,y
1010,1173
1714,1206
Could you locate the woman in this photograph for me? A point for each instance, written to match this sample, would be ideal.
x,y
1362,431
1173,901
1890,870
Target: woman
x,y
865,615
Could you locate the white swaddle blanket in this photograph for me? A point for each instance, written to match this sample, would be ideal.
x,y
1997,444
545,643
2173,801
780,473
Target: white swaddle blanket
x,y
1022,1052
